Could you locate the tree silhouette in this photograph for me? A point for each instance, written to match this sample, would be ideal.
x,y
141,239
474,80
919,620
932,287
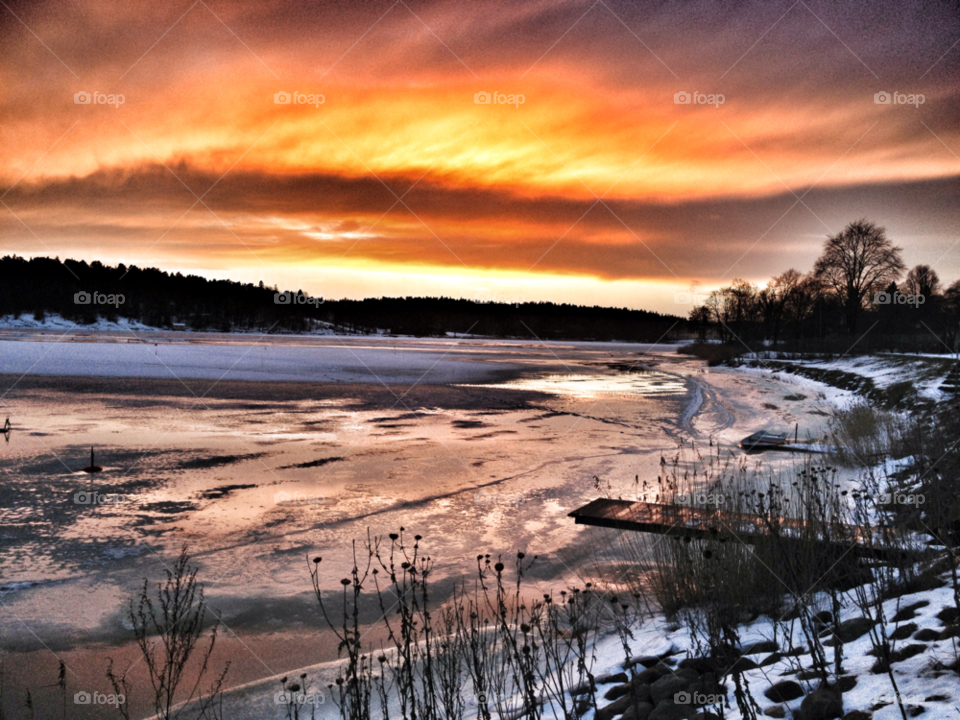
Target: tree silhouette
x,y
857,262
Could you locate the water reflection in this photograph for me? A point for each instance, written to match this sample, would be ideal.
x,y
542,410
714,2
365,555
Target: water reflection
x,y
584,386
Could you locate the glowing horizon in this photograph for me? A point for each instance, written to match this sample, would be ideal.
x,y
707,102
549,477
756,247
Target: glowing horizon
x,y
599,178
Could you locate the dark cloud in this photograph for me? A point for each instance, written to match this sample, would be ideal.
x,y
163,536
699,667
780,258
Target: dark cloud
x,y
615,239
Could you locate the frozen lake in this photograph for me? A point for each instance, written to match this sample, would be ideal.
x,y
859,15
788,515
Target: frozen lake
x,y
259,454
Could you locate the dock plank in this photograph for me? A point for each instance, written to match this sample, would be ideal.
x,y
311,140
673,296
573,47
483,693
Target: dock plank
x,y
709,523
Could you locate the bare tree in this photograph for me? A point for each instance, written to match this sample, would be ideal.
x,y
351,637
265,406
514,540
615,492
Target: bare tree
x,y
719,308
700,318
922,280
743,302
858,261
773,299
801,300
951,315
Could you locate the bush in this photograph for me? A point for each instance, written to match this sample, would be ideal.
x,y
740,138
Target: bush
x,y
863,435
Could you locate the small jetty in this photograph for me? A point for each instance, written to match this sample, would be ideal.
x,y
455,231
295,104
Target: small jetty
x,y
715,524
92,467
766,440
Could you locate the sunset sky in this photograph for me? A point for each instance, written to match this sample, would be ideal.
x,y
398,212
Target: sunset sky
x,y
599,188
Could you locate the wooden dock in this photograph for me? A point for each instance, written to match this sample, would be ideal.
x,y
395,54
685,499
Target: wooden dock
x,y
715,524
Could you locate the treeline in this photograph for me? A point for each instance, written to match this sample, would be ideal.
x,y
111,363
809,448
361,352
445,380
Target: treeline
x,y
859,290
160,299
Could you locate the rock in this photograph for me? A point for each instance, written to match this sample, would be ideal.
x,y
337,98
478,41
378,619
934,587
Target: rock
x,y
948,615
617,707
647,675
777,711
651,675
583,706
904,631
688,674
809,674
909,612
581,689
898,656
908,652
850,630
927,635
858,715
771,659
741,665
824,616
616,691
620,677
701,665
951,631
822,704
765,646
666,687
708,685
784,691
641,692
669,710
846,683
854,628
638,711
